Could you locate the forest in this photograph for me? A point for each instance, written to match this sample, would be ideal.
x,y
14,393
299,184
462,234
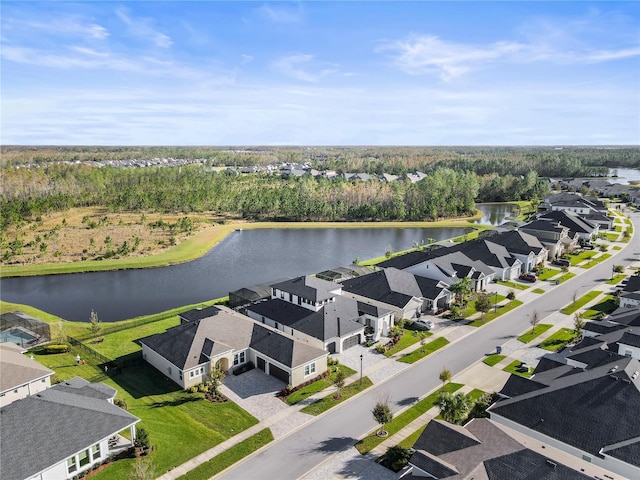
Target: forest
x,y
41,180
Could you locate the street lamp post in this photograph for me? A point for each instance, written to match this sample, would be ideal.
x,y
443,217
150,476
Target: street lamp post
x,y
360,369
495,303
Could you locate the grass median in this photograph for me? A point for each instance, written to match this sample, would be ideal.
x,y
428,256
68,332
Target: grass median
x,y
534,332
371,441
333,399
227,458
580,302
492,315
319,385
422,352
558,340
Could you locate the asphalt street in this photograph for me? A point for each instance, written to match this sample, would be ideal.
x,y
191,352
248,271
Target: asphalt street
x,y
341,427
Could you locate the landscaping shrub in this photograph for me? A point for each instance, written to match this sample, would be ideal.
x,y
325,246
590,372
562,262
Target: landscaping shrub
x,y
119,402
63,348
397,457
381,348
511,295
245,367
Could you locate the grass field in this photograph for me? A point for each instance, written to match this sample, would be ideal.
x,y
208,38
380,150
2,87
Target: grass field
x,y
318,386
617,278
549,273
580,302
538,290
605,307
408,338
494,359
594,261
565,277
428,349
558,340
371,441
227,458
581,257
534,332
491,315
181,425
331,400
513,369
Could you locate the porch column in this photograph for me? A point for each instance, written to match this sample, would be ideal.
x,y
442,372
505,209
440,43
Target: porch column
x,y
132,431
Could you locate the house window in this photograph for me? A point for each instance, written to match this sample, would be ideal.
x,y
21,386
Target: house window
x,y
95,452
43,380
180,375
586,458
84,458
72,466
309,369
239,358
628,352
191,374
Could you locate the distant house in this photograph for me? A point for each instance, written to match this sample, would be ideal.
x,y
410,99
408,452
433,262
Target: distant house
x,y
573,202
405,294
578,227
523,246
20,376
480,450
60,432
443,265
584,402
387,177
415,177
554,236
220,337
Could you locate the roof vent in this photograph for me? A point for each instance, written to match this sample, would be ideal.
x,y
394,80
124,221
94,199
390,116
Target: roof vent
x,y
626,380
613,369
551,464
635,375
614,377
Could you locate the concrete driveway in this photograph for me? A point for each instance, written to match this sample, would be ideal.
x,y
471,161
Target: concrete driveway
x,y
255,391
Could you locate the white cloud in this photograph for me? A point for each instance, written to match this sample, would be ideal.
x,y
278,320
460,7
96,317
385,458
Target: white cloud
x,y
142,28
429,54
281,14
300,66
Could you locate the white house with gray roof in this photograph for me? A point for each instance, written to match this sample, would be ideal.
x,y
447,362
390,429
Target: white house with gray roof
x,y
220,337
60,432
20,376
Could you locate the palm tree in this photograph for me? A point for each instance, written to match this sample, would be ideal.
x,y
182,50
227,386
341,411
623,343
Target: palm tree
x,y
462,288
454,408
445,377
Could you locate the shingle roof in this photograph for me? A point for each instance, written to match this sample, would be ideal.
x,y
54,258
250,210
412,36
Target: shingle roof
x,y
571,220
518,242
44,429
529,465
309,287
440,437
226,330
16,369
576,409
631,339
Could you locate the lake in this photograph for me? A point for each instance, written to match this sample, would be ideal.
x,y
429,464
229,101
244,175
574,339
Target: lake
x,y
243,258
496,213
625,175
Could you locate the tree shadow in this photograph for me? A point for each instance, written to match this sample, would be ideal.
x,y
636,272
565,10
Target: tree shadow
x,y
365,467
407,401
142,380
175,403
334,445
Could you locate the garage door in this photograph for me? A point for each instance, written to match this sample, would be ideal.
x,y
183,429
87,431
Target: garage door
x,y
261,364
351,341
279,373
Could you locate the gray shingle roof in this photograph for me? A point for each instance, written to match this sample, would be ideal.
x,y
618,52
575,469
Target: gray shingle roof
x,y
309,287
44,429
16,369
226,330
529,465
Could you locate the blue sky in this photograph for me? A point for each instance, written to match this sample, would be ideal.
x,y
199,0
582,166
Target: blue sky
x,y
320,73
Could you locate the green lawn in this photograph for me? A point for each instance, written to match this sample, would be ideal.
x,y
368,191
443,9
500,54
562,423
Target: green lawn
x,y
227,458
606,306
494,359
517,286
534,332
558,340
581,257
331,401
537,290
580,302
512,368
594,261
617,278
408,338
611,237
405,418
617,247
502,309
475,394
549,273
411,440
180,425
617,228
318,386
565,277
428,349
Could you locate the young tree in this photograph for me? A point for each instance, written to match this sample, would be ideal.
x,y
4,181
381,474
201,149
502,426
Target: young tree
x,y
483,303
534,320
215,378
445,377
339,382
423,340
94,324
454,408
143,469
383,415
578,323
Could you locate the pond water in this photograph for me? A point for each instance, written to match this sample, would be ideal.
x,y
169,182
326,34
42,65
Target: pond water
x,y
244,258
496,213
625,175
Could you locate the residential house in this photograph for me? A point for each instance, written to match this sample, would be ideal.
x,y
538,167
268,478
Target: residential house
x,y
314,309
505,266
387,177
553,236
218,337
584,230
401,292
20,376
573,202
415,177
60,432
480,450
584,402
443,265
630,294
523,246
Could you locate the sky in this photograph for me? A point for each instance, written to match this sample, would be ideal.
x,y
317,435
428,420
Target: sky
x,y
320,73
